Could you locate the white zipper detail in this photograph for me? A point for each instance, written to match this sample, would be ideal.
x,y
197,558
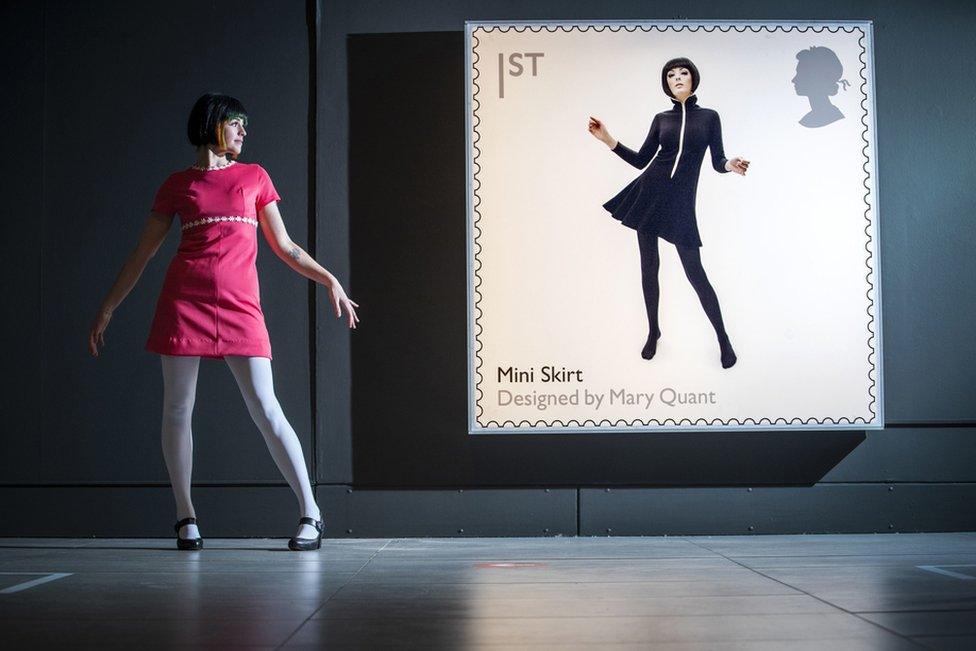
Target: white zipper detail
x,y
681,141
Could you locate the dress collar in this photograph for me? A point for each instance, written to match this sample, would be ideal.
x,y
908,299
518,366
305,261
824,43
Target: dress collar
x,y
689,103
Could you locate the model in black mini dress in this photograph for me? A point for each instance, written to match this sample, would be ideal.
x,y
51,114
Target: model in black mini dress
x,y
661,201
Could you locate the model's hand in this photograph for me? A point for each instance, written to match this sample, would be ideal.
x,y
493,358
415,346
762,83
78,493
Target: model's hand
x,y
738,165
599,131
96,334
341,302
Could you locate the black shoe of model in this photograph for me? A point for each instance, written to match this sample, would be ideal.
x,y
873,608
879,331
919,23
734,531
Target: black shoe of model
x,y
187,543
650,348
307,544
728,355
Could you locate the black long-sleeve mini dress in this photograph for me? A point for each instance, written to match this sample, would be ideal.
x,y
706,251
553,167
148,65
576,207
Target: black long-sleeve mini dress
x,y
661,201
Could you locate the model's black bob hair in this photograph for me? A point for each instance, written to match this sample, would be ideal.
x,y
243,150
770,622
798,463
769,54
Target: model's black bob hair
x,y
680,62
208,113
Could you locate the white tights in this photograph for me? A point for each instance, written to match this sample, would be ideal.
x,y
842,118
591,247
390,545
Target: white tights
x,y
253,375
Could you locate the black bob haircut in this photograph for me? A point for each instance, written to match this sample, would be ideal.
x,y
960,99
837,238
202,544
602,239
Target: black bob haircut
x,y
680,62
209,111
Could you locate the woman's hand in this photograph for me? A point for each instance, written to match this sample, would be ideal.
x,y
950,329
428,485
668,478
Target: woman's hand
x,y
599,131
96,335
738,165
342,302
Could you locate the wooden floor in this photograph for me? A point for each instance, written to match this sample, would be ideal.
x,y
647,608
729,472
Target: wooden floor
x,y
816,592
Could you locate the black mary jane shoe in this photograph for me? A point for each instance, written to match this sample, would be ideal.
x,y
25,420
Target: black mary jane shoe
x,y
187,543
307,544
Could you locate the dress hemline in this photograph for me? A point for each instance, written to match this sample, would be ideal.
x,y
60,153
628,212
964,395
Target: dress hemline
x,y
664,236
213,350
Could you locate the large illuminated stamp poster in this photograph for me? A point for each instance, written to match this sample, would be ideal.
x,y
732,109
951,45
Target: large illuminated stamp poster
x,y
561,289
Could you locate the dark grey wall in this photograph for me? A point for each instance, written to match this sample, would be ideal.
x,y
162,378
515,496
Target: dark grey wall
x,y
22,114
95,122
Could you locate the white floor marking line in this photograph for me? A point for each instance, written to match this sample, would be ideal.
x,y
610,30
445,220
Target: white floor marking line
x,y
956,575
26,585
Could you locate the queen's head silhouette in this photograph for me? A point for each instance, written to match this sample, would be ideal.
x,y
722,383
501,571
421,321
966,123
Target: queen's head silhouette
x,y
818,76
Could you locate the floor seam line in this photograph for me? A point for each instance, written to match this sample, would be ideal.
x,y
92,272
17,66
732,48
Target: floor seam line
x,y
334,593
812,596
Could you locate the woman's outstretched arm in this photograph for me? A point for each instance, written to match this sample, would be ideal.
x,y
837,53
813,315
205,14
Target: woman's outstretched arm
x,y
719,162
715,147
295,257
638,159
648,150
153,234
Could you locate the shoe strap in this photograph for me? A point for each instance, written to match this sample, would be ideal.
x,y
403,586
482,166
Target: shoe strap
x,y
312,521
184,521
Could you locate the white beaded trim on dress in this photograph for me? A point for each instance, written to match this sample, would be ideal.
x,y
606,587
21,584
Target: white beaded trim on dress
x,y
213,168
210,220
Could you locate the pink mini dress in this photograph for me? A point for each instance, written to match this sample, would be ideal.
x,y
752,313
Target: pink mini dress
x,y
210,303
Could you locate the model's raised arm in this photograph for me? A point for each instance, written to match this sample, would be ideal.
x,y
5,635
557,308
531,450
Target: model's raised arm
x,y
640,159
298,259
153,233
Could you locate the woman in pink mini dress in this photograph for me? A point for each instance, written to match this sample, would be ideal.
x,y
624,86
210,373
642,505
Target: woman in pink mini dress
x,y
210,303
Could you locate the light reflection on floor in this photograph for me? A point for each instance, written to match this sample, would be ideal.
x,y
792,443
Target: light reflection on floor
x,y
874,591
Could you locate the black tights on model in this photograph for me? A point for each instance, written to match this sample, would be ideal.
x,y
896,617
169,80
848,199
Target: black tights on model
x,y
691,261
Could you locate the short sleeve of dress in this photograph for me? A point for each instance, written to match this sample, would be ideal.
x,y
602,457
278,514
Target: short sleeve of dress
x,y
165,201
266,190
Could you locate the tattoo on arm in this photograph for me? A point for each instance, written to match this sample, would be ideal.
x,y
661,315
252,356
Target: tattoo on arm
x,y
295,252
